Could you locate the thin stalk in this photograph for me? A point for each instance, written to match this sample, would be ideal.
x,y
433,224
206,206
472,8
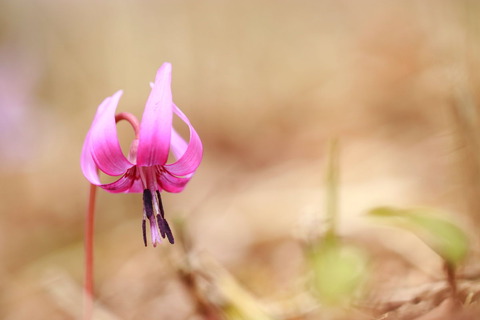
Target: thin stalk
x,y
131,119
88,244
451,279
331,196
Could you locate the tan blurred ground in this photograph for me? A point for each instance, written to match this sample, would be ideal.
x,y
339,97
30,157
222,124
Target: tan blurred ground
x,y
266,84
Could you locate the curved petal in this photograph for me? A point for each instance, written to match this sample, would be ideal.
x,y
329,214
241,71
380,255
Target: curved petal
x,y
129,183
121,185
191,158
156,125
104,145
136,187
88,165
170,183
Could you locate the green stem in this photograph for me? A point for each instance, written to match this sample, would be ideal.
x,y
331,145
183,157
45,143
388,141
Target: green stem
x,y
332,190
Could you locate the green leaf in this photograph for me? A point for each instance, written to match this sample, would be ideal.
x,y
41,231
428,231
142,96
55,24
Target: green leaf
x,y
444,237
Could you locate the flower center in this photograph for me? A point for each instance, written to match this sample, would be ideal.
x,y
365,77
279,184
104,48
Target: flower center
x,y
152,201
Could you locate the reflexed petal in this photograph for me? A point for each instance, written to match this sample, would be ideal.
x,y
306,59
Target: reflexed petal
x,y
136,187
171,183
88,165
156,125
104,145
121,185
130,182
191,158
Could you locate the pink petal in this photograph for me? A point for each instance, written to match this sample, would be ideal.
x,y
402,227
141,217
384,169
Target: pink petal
x,y
156,126
129,183
104,145
121,185
191,158
171,183
88,165
136,187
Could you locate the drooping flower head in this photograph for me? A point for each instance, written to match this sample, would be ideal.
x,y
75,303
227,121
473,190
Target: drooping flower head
x,y
145,169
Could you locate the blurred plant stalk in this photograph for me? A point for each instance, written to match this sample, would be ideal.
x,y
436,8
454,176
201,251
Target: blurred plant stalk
x,y
467,124
466,117
332,177
338,269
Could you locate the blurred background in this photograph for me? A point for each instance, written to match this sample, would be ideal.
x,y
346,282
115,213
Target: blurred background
x,y
267,84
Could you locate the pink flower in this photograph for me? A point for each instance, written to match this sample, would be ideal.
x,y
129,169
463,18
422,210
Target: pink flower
x,y
145,169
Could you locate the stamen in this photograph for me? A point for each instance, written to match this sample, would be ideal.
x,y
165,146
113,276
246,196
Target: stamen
x,y
161,226
147,202
144,231
169,233
162,222
160,204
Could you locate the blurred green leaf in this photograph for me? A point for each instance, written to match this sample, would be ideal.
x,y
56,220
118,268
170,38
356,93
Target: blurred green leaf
x,y
444,237
338,271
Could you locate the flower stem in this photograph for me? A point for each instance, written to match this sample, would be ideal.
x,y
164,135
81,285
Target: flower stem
x,y
131,119
88,244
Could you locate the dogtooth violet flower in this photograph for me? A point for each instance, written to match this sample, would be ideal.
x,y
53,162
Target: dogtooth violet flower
x,y
145,169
